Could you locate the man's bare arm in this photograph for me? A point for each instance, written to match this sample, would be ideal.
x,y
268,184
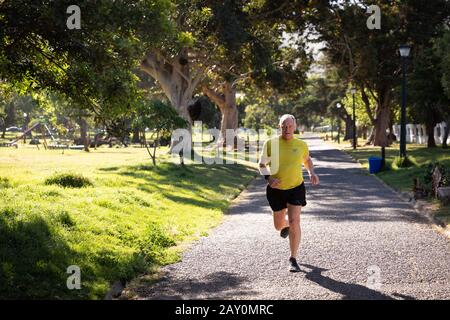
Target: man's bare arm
x,y
263,170
310,168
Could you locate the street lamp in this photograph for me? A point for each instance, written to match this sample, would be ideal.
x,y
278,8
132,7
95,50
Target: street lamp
x,y
338,106
404,53
353,91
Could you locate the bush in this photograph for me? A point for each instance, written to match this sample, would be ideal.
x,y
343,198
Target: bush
x,y
428,176
153,245
69,180
423,186
4,183
404,162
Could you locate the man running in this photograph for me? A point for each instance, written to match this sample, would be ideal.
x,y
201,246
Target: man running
x,y
285,155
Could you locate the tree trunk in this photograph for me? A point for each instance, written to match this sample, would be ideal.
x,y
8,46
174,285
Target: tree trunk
x,y
366,101
173,75
176,81
348,128
361,132
446,133
382,123
226,101
83,133
25,128
229,113
4,128
431,143
371,138
142,140
10,119
136,138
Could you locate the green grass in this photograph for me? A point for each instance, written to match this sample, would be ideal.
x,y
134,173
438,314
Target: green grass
x,y
132,219
402,178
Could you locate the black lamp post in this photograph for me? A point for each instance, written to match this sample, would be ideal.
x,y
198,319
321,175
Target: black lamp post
x,y
353,91
404,53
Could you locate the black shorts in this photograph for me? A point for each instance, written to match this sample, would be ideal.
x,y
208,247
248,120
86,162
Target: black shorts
x,y
278,199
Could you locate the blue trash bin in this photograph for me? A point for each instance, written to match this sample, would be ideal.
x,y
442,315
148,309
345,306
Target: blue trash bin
x,y
375,164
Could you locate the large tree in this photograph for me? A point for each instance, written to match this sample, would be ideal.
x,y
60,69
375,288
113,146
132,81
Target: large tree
x,y
429,104
226,43
92,65
370,57
442,51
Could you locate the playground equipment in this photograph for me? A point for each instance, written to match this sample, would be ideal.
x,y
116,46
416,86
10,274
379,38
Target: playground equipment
x,y
44,129
44,132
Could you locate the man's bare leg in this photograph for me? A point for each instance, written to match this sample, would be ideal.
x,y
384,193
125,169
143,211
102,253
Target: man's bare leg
x,y
279,219
294,229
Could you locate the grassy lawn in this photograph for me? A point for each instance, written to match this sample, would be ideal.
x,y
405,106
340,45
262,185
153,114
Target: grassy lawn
x,y
402,178
134,217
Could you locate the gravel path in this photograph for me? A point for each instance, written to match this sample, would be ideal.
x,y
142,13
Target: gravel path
x,y
359,241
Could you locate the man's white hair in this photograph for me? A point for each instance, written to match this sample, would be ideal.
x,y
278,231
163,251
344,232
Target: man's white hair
x,y
287,116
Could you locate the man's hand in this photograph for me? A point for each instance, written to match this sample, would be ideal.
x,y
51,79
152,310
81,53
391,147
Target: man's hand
x,y
273,183
314,179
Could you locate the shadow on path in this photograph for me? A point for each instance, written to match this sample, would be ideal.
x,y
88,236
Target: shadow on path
x,y
350,291
217,285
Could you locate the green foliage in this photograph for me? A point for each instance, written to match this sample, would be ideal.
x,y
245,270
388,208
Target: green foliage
x,y
248,42
158,116
429,104
362,116
69,180
186,39
94,65
4,183
154,242
369,58
260,116
443,52
316,101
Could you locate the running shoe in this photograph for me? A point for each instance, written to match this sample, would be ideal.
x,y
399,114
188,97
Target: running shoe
x,y
293,265
284,232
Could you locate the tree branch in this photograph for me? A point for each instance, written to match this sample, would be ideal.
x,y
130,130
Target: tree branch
x,y
217,98
366,101
265,14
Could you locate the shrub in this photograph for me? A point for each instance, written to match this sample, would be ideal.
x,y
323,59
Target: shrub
x,y
423,186
4,183
69,180
428,176
404,162
155,242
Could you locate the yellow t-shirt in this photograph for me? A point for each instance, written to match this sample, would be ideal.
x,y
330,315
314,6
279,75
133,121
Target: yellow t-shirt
x,y
285,159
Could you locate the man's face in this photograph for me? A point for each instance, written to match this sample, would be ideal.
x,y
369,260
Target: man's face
x,y
287,129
